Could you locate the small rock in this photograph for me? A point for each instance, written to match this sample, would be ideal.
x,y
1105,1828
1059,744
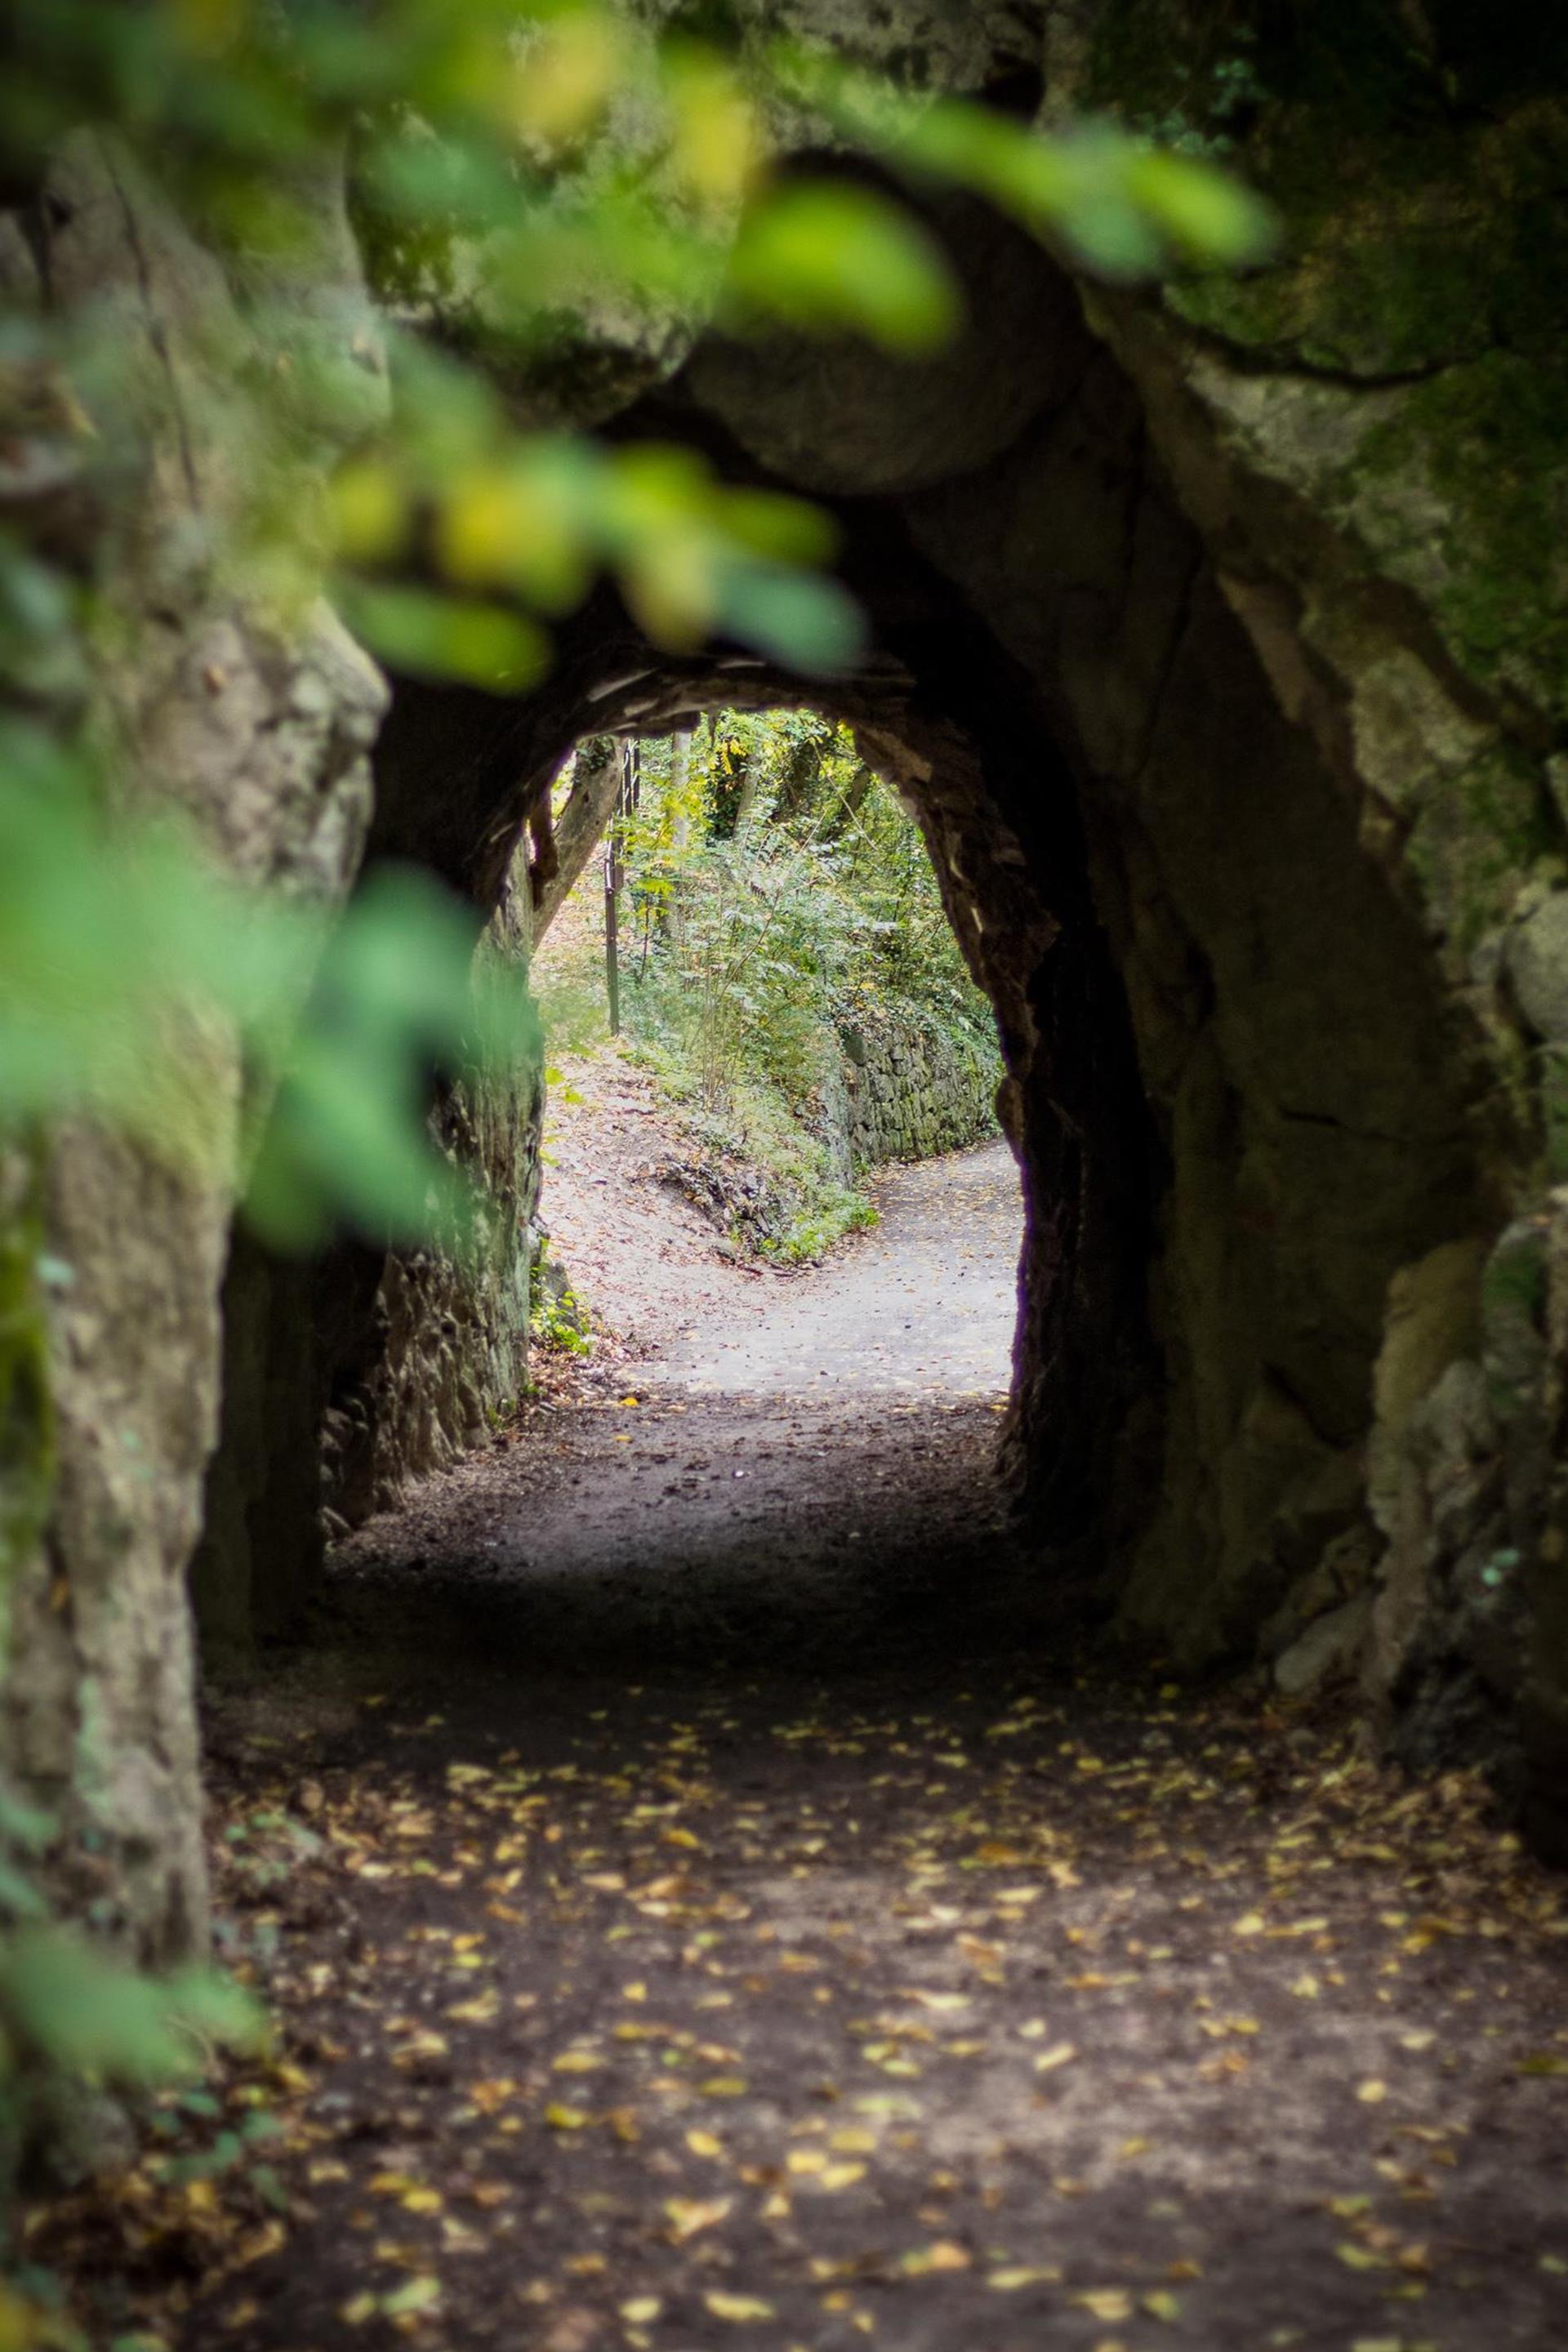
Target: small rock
x,y
1537,960
1329,1651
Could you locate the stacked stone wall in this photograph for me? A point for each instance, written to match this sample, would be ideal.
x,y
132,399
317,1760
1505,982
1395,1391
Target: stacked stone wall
x,y
911,1088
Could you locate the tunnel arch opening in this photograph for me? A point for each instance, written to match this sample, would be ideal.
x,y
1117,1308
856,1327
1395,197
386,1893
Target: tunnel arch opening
x,y
1235,1084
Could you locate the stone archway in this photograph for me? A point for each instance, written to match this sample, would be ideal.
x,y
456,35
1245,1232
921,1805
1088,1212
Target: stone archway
x,y
1237,1086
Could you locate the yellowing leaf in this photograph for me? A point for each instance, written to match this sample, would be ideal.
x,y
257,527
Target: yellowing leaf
x,y
1251,1923
1373,2094
1161,2304
562,2118
942,2254
1060,2054
416,2294
704,2143
805,2159
738,2308
843,2176
690,2214
481,2012
640,2309
1106,2302
1008,2282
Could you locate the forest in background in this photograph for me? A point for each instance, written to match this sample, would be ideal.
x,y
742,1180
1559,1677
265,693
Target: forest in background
x,y
776,903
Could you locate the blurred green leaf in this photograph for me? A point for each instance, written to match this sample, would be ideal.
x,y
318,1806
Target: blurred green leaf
x,y
432,635
828,255
25,1825
396,1000
18,1897
1088,185
1208,215
87,2013
797,618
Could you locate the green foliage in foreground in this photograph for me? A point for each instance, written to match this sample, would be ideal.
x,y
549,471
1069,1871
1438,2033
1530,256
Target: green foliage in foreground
x,y
126,966
76,2021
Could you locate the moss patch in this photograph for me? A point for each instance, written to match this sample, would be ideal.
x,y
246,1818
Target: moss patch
x,y
1491,443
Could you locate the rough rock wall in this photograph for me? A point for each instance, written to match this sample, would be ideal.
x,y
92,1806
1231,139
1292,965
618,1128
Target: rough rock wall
x,y
349,1376
257,731
1371,439
445,1351
910,1089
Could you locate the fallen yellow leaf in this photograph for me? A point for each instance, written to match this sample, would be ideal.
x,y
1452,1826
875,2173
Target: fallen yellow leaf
x,y
690,2214
1060,2054
1106,2302
737,2307
942,2255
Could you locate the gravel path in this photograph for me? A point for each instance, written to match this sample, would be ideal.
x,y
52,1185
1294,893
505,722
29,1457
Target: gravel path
x,y
923,1305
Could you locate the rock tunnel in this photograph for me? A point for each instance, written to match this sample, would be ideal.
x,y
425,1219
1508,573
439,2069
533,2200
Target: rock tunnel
x,y
1233,1081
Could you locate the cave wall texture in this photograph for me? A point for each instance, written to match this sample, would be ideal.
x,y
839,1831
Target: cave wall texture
x,y
1217,640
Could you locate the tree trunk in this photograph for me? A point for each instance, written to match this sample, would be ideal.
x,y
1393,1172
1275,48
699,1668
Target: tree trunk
x,y
596,780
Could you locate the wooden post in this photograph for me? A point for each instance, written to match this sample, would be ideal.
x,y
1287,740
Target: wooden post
x,y
625,802
612,894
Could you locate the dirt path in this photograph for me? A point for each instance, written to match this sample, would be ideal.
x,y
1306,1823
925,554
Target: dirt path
x,y
696,1921
923,1305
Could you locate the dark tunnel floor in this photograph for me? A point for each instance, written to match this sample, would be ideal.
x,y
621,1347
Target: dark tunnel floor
x,y
699,1919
